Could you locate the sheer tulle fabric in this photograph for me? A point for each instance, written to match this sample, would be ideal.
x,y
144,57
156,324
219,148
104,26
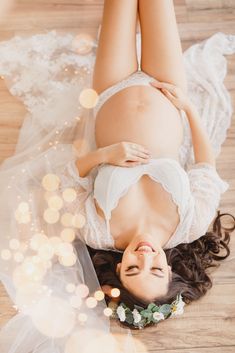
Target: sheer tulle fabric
x,y
46,73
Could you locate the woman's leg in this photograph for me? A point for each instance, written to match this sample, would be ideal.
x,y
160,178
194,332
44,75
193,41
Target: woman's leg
x,y
161,55
116,56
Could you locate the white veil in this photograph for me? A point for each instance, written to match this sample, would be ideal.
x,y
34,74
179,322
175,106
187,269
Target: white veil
x,y
48,278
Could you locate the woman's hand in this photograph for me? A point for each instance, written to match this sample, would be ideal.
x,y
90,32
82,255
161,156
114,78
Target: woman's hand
x,y
125,154
174,93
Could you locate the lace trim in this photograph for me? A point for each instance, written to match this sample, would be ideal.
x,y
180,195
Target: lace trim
x,y
137,78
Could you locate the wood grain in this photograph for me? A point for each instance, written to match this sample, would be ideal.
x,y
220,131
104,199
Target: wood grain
x,y
207,325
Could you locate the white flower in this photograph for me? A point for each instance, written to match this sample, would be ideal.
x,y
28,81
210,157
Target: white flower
x,y
121,313
158,316
136,316
178,308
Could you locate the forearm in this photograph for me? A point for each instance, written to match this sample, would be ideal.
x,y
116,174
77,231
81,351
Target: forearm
x,y
89,161
203,151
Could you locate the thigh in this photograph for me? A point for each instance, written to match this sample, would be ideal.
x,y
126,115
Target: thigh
x,y
161,48
116,56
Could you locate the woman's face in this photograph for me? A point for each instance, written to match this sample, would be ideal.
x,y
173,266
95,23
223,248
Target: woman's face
x,y
144,270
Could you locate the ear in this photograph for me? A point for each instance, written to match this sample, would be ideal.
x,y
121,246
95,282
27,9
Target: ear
x,y
118,268
170,272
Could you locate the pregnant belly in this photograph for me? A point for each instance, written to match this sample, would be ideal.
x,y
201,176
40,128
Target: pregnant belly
x,y
140,114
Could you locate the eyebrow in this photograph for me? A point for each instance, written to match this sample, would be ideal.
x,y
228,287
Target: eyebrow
x,y
135,274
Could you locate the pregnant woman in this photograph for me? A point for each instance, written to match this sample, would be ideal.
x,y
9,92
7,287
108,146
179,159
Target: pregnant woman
x,y
141,200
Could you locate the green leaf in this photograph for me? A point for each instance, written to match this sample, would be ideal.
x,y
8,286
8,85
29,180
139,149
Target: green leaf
x,y
165,309
129,319
151,306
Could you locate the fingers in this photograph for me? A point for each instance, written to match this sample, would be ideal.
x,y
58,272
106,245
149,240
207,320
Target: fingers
x,y
140,149
164,85
138,153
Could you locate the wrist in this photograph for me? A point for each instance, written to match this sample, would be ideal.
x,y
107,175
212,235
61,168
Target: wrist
x,y
190,108
101,155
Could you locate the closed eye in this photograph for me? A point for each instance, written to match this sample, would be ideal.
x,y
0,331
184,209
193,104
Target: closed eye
x,y
137,273
131,267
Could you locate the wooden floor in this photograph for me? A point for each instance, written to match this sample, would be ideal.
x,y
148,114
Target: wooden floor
x,y
209,325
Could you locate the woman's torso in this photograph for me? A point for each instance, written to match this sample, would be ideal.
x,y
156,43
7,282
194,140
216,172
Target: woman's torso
x,y
142,115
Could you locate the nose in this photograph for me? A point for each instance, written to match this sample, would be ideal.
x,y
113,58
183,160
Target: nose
x,y
145,260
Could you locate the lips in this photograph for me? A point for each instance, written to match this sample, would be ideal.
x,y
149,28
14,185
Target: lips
x,y
144,247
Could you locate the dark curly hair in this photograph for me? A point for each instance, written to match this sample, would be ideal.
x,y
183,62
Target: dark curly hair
x,y
189,263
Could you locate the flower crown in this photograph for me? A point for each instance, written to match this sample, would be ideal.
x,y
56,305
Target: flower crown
x,y
141,317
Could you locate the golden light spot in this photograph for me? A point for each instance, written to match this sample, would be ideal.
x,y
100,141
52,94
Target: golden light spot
x,y
83,43
68,235
82,290
38,240
28,294
54,241
50,182
18,257
78,221
70,287
22,217
69,195
27,272
5,254
55,203
51,216
88,98
108,312
64,249
46,251
68,260
67,219
23,207
75,301
91,302
115,292
99,295
82,317
53,317
14,244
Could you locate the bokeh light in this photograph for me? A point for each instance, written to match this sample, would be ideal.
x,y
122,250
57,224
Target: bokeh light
x,y
83,43
91,302
70,287
50,182
55,202
88,98
5,254
78,221
69,194
51,216
53,316
115,292
99,295
68,235
108,312
82,290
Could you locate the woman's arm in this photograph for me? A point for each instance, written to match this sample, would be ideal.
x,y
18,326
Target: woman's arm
x,y
201,144
203,151
89,161
123,154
